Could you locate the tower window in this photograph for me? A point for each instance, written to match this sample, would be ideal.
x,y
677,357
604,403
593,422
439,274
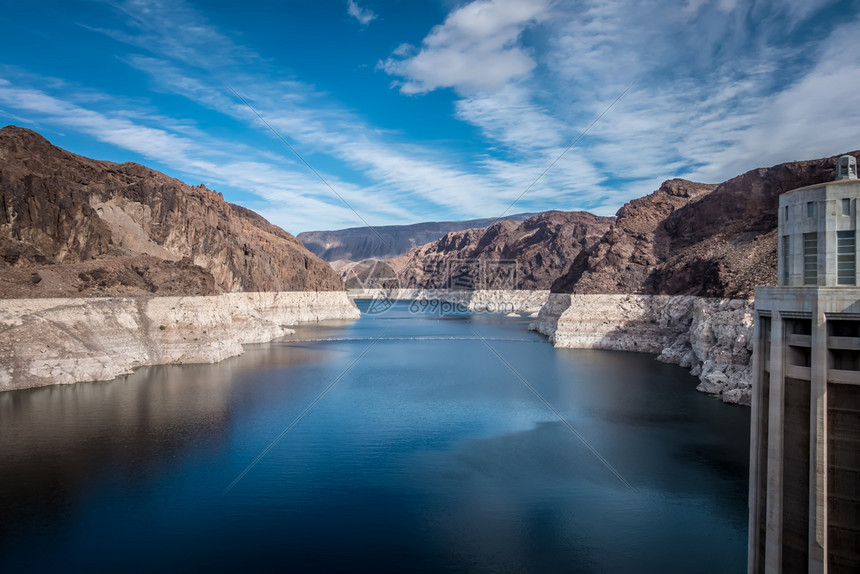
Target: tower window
x,y
810,258
846,206
845,258
810,209
786,258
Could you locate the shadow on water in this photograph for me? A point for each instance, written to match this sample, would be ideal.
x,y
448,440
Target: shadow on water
x,y
57,442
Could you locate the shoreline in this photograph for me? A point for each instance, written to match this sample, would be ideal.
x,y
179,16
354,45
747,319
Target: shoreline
x,y
710,336
62,341
527,302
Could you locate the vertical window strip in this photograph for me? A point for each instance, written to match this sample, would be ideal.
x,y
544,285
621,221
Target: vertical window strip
x,y
810,258
846,265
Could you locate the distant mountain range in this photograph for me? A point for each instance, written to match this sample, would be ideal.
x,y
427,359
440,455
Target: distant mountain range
x,y
685,238
73,226
358,243
507,255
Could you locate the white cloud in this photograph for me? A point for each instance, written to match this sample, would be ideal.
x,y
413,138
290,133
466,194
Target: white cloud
x,y
420,179
816,116
402,176
692,7
364,15
713,97
508,116
174,27
293,197
398,170
404,50
474,49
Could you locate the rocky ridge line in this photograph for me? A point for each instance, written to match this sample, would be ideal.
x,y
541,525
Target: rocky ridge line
x,y
694,239
150,233
676,274
526,255
385,241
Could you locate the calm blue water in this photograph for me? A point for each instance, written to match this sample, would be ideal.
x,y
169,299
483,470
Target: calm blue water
x,y
428,454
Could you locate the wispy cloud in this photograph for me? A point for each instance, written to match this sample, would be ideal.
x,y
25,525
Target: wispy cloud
x,y
721,86
411,176
283,187
176,28
474,49
364,15
398,171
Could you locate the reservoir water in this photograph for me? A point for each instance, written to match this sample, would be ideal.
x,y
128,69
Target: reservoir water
x,y
401,442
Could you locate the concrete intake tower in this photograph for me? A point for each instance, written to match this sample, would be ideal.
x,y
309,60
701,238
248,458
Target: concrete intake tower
x,y
805,430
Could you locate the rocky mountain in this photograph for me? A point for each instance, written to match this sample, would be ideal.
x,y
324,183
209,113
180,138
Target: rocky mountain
x,y
359,243
506,255
694,239
74,226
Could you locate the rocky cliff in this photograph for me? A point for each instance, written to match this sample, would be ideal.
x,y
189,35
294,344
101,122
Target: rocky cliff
x,y
506,255
676,273
695,239
710,336
444,301
56,341
73,226
386,241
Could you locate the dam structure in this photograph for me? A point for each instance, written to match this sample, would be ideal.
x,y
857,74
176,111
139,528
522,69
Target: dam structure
x,y
804,498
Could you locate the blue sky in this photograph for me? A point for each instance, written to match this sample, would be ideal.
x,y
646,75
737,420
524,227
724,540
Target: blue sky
x,y
429,110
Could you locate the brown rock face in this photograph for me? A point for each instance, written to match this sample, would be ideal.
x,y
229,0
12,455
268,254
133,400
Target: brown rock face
x,y
385,241
107,276
623,259
539,249
149,233
695,239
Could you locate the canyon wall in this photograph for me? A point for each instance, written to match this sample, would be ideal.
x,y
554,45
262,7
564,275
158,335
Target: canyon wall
x,y
676,273
494,300
56,341
507,255
385,241
690,238
710,336
448,300
71,226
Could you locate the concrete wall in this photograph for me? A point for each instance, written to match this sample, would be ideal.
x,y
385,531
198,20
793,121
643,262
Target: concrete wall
x,y
826,220
801,340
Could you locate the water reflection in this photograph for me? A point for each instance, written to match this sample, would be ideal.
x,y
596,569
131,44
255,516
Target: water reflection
x,y
426,455
57,442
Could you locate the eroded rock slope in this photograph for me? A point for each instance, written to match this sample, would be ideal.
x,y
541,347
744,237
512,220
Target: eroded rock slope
x,y
385,241
695,239
535,251
74,226
676,273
